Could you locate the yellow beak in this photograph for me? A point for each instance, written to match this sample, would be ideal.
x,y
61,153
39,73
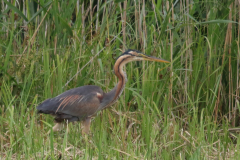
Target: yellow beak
x,y
152,58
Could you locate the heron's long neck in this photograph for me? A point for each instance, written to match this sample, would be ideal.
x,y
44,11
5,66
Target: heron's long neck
x,y
114,94
122,77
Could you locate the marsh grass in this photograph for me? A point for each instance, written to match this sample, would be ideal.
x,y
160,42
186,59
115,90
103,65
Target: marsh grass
x,y
188,109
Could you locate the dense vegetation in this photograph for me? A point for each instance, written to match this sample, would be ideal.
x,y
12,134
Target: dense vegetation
x,y
188,109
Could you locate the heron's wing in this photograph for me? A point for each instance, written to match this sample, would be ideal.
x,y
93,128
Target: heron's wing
x,y
77,103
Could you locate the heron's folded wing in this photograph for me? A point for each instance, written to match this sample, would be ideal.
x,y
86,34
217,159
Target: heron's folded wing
x,y
79,105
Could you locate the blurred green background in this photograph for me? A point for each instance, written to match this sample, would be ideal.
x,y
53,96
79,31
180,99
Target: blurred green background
x,y
188,109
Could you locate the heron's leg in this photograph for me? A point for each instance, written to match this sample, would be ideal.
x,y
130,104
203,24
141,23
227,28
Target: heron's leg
x,y
86,125
57,127
67,126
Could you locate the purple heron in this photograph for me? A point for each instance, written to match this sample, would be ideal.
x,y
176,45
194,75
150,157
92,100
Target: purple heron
x,y
82,103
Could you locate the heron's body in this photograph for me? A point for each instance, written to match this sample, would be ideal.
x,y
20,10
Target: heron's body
x,y
73,105
80,104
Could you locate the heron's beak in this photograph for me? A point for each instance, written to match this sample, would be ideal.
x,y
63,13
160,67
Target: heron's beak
x,y
151,58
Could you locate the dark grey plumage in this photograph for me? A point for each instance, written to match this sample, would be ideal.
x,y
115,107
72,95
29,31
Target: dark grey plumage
x,y
73,105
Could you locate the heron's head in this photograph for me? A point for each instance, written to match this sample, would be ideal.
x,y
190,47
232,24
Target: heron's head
x,y
134,55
